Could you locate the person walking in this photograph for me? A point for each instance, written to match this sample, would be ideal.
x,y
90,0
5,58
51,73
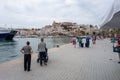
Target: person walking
x,y
42,51
27,51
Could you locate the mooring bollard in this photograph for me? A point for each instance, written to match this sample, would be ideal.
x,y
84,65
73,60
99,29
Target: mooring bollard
x,y
57,45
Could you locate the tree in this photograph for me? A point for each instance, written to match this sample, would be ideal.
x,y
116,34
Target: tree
x,y
82,32
94,33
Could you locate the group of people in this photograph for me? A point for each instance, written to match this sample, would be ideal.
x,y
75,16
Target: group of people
x,y
42,56
27,51
84,41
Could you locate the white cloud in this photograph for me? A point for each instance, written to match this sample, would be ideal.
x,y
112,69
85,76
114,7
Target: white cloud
x,y
69,2
42,12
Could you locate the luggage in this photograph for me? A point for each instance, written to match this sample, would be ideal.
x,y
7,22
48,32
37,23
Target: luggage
x,y
116,49
87,45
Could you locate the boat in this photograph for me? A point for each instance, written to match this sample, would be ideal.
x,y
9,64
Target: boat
x,y
7,34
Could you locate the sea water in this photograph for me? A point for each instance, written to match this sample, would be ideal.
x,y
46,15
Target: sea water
x,y
11,49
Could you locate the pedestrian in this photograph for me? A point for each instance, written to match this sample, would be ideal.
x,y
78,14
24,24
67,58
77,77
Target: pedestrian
x,y
42,51
27,51
118,45
94,39
74,42
79,41
113,41
87,41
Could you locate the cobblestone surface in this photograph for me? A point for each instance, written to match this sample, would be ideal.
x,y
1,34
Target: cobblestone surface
x,y
68,63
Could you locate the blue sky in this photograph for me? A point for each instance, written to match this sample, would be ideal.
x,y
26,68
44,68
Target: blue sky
x,y
38,13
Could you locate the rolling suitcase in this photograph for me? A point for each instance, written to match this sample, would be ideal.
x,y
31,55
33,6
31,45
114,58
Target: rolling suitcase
x,y
87,45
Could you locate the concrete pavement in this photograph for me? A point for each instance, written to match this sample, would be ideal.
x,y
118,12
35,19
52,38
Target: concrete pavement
x,y
68,63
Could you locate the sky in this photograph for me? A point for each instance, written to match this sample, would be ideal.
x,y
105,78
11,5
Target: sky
x,y
38,13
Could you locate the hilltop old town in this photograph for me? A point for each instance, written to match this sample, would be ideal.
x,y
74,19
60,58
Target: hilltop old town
x,y
60,28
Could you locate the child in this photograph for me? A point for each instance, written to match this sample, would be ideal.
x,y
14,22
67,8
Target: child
x,y
94,39
74,42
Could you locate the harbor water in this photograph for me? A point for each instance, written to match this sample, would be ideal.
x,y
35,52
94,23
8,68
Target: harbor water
x,y
11,49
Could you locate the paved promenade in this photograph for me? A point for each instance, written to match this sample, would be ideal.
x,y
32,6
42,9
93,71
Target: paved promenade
x,y
68,63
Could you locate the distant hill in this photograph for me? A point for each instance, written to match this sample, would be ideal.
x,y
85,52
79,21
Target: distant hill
x,y
113,23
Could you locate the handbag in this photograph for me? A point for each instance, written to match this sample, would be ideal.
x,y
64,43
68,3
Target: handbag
x,y
116,49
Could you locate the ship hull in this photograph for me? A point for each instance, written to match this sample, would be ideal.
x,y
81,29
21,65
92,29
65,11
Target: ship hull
x,y
7,36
